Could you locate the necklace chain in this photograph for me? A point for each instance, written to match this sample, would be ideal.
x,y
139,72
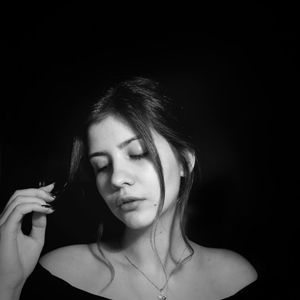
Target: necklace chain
x,y
161,296
138,269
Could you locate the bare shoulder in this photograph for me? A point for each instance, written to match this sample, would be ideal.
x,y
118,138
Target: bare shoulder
x,y
75,264
228,270
65,256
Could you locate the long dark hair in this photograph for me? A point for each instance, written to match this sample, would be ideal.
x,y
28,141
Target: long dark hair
x,y
142,103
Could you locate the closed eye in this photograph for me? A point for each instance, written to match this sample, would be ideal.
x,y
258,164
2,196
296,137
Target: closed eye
x,y
138,156
101,169
132,156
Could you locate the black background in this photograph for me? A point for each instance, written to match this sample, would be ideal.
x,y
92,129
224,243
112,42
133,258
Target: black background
x,y
231,66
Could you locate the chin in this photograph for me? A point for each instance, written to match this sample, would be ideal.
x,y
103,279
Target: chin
x,y
137,220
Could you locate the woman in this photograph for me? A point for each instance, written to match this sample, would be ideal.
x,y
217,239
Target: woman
x,y
143,169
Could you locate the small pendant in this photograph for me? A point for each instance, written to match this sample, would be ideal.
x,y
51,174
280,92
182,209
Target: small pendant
x,y
161,297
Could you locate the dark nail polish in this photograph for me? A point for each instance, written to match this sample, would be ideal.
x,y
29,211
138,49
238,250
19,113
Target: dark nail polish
x,y
59,189
47,206
52,195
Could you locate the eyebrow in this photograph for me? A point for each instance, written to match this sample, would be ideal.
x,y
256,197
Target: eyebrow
x,y
120,146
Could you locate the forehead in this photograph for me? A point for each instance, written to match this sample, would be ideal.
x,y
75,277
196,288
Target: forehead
x,y
113,130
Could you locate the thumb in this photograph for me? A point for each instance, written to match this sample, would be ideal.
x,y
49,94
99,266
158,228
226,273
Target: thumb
x,y
39,222
48,188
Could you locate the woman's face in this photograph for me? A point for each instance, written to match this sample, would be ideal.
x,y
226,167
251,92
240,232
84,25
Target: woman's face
x,y
126,177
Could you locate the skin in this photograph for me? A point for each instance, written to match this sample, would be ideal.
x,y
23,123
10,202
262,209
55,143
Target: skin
x,y
211,273
126,171
122,171
19,253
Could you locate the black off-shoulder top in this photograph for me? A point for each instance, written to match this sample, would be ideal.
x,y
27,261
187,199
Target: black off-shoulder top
x,y
41,284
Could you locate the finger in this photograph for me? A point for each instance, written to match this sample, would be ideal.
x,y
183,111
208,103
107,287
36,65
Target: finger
x,y
40,193
13,222
39,222
48,188
19,200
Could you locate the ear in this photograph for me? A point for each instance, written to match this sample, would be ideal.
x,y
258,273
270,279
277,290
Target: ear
x,y
190,157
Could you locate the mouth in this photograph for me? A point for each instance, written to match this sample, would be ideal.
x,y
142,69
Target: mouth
x,y
128,200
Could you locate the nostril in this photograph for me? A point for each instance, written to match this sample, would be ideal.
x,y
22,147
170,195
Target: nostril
x,y
121,178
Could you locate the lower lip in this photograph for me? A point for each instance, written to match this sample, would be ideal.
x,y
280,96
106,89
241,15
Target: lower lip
x,y
130,205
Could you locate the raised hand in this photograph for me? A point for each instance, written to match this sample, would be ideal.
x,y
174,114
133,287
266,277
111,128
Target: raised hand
x,y
19,253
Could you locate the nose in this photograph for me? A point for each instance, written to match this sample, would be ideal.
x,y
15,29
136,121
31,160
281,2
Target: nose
x,y
121,177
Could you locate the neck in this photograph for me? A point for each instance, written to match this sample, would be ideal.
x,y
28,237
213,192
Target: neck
x,y
167,244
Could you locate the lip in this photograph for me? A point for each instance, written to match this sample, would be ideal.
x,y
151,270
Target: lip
x,y
128,200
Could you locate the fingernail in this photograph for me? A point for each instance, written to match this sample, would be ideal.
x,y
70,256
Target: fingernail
x,y
47,206
53,196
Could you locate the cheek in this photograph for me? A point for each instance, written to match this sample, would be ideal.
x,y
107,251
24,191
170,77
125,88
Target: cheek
x,y
101,184
172,180
172,172
151,180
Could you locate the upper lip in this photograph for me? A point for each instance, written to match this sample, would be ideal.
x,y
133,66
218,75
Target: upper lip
x,y
123,200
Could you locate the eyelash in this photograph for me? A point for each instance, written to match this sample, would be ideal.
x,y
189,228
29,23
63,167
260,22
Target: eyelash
x,y
139,156
134,157
99,170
